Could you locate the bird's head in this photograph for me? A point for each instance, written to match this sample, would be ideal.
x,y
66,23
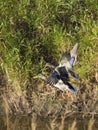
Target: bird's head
x,y
39,76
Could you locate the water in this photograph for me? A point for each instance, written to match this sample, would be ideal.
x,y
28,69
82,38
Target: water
x,y
34,122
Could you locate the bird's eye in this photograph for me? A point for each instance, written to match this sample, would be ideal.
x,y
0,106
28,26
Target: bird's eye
x,y
72,60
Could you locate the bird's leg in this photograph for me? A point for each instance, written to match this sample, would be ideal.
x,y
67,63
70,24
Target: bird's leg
x,y
69,94
63,95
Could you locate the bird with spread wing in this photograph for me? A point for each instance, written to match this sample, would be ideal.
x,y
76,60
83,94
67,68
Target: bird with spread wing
x,y
59,78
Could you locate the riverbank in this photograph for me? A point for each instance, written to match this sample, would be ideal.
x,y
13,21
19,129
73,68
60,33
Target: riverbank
x,y
45,100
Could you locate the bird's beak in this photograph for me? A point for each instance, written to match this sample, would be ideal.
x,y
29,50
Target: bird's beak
x,y
35,77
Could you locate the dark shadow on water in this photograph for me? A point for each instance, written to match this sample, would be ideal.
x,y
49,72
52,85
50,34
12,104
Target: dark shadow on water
x,y
35,122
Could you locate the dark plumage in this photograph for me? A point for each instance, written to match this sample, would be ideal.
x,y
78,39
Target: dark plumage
x,y
60,79
60,76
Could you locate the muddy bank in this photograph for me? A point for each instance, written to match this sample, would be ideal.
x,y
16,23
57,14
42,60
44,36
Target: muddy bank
x,y
47,101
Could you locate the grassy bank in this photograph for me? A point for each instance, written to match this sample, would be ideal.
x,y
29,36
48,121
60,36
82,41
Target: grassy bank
x,y
35,32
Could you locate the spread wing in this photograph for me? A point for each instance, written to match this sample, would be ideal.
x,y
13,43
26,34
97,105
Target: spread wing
x,y
53,78
70,57
60,73
63,74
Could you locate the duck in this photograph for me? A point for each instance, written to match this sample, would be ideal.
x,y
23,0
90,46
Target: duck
x,y
59,78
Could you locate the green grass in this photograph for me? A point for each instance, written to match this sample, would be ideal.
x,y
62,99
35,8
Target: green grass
x,y
34,32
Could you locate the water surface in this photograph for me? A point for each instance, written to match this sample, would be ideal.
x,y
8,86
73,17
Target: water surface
x,y
35,122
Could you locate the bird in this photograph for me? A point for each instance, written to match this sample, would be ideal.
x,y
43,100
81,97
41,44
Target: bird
x,y
59,78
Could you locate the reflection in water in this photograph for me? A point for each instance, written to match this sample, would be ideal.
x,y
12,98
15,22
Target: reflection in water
x,y
34,122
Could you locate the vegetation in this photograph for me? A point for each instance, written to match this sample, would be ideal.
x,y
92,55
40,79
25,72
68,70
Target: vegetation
x,y
34,32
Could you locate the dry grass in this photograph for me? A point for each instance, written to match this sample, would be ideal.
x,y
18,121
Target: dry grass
x,y
6,111
47,101
34,121
73,126
91,124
